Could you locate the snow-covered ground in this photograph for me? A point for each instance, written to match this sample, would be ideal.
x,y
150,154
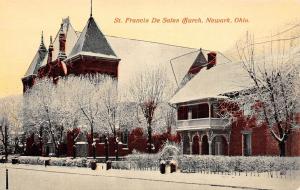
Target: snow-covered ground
x,y
29,177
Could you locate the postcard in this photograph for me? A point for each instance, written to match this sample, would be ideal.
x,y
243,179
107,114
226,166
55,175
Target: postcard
x,y
147,95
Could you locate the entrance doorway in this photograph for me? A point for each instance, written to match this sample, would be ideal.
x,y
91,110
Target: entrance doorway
x,y
195,145
186,144
204,145
219,145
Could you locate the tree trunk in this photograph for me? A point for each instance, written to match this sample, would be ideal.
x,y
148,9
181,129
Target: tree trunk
x,y
149,139
94,150
6,143
57,151
116,149
55,145
41,142
282,148
74,150
92,134
106,148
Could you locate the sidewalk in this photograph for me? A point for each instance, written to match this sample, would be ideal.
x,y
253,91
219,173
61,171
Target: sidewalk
x,y
212,180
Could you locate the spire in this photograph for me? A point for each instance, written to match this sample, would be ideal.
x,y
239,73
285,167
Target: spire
x,y
91,14
62,44
42,45
61,30
50,51
51,43
38,59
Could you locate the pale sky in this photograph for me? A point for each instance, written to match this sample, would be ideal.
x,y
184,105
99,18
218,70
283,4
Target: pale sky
x,y
23,20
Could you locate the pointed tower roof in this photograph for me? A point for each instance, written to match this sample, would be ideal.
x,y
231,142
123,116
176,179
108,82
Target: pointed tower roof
x,y
37,60
42,45
71,39
62,44
92,42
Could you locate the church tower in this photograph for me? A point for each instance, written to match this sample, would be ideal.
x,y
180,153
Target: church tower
x,y
31,73
73,52
92,53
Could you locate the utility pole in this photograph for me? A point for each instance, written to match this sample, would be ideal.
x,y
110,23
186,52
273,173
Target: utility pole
x,y
6,179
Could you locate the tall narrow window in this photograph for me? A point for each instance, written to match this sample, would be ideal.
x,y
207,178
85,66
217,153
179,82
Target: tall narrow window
x,y
247,144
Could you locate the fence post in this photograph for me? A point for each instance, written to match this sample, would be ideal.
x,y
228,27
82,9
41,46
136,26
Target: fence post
x,y
6,179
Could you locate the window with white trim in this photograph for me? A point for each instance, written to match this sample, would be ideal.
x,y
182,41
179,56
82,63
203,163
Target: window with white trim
x,y
247,147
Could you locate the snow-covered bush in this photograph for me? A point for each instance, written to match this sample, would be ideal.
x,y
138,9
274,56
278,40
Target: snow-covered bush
x,y
170,150
31,160
58,161
78,162
257,164
143,161
122,165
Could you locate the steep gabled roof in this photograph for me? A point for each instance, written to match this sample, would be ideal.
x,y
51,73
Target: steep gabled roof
x,y
226,76
92,42
198,63
213,83
37,60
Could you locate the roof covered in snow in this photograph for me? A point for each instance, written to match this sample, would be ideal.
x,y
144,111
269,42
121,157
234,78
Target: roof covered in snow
x,y
93,41
135,55
214,82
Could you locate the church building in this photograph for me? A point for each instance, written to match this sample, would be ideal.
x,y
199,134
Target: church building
x,y
203,76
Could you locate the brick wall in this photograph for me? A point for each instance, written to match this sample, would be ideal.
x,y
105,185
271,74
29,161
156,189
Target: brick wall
x,y
262,141
235,147
293,143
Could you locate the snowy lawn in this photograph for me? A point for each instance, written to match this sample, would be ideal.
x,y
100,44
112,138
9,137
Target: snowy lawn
x,y
38,177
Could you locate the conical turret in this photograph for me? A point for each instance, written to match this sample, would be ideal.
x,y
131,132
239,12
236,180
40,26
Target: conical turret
x,y
50,50
42,45
62,44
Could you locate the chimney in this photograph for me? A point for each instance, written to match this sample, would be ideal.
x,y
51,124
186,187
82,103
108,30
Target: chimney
x,y
62,44
211,59
50,50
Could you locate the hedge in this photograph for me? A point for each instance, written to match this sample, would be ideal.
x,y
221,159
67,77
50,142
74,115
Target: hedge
x,y
257,164
69,162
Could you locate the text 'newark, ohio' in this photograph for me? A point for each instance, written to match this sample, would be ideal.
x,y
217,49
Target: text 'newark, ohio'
x,y
185,20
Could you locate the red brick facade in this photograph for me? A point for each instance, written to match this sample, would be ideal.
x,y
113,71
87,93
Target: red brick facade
x,y
242,137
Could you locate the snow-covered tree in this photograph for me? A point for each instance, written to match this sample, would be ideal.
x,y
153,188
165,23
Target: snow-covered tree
x,y
10,122
49,110
165,118
88,100
272,97
149,90
110,110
